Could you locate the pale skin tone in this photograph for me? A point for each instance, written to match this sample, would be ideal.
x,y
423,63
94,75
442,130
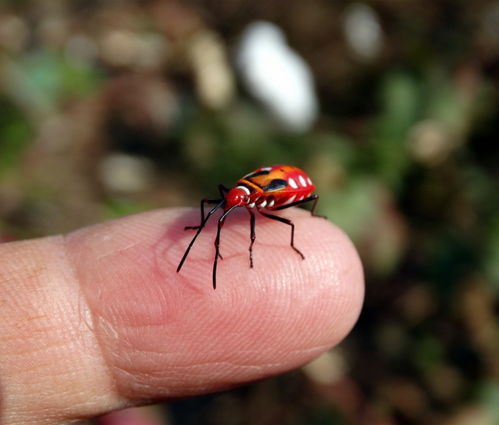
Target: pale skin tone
x,y
99,319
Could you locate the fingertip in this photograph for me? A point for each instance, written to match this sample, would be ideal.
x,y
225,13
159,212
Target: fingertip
x,y
166,333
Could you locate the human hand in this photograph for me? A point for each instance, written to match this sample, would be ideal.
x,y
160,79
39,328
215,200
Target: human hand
x,y
99,319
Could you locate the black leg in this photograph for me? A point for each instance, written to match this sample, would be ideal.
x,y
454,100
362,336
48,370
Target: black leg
x,y
201,226
217,253
314,198
217,244
252,235
203,202
223,190
289,223
314,205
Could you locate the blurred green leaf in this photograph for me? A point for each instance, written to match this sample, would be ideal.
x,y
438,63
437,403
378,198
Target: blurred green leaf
x,y
119,206
352,206
488,395
400,109
427,352
491,257
15,136
57,78
328,415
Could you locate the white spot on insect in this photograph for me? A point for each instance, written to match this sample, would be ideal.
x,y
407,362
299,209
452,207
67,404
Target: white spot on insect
x,y
262,204
252,205
244,188
292,183
271,203
301,198
290,200
309,181
266,169
302,181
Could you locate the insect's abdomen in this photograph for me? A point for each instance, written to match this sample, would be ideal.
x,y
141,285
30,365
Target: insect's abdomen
x,y
278,185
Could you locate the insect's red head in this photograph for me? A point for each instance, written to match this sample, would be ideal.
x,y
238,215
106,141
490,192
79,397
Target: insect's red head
x,y
236,196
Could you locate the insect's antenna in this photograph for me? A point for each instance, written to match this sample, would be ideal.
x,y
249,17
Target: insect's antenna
x,y
217,243
201,227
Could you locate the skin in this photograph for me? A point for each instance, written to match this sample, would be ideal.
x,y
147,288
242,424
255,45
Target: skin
x,y
98,320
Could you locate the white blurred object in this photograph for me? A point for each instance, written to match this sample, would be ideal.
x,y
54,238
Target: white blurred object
x,y
363,31
120,47
125,173
327,369
213,74
277,76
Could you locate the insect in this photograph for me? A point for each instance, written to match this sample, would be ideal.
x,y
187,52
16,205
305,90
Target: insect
x,y
266,189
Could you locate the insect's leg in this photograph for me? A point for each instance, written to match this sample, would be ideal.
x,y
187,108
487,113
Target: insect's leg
x,y
289,223
201,226
314,206
252,236
203,202
217,253
223,190
314,198
217,244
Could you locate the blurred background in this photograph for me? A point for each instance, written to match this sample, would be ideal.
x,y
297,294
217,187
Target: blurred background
x,y
114,107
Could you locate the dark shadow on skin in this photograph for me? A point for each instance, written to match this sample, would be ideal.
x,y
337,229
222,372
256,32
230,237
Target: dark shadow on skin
x,y
175,236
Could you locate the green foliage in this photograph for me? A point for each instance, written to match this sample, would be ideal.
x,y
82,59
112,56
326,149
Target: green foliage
x,y
15,136
116,207
56,78
400,108
491,256
489,398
